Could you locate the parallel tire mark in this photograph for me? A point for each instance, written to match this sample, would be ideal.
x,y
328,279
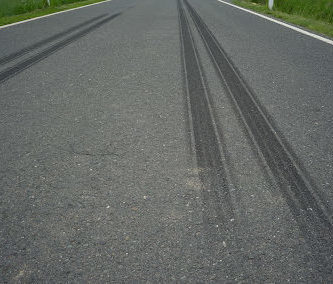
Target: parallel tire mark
x,y
19,67
205,138
310,211
39,44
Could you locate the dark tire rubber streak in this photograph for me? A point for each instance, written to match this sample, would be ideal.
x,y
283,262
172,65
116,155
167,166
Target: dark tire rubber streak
x,y
11,71
311,213
206,141
39,44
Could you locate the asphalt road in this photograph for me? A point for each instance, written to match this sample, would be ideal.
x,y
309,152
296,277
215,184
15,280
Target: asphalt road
x,y
164,141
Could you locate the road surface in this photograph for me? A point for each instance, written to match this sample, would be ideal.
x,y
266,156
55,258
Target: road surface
x,y
165,141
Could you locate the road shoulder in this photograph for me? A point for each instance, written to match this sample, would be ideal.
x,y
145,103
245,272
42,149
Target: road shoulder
x,y
42,13
318,27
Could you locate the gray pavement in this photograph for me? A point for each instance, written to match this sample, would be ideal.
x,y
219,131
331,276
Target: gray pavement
x,y
131,150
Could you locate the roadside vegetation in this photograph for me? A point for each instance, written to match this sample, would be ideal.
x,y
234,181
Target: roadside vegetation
x,y
12,11
315,15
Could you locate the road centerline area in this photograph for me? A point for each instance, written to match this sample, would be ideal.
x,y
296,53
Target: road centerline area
x,y
207,150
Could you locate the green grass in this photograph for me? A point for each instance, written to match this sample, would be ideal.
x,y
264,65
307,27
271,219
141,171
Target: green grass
x,y
12,11
315,9
320,22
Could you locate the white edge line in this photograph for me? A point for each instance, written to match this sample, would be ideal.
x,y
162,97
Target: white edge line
x,y
49,15
281,23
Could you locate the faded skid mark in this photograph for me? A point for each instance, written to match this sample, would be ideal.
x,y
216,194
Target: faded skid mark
x,y
300,193
21,66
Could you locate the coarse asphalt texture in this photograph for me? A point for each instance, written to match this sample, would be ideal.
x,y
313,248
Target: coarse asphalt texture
x,y
164,141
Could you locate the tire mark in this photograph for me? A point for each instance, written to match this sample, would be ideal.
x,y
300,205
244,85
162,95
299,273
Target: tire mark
x,y
19,67
39,44
303,198
205,138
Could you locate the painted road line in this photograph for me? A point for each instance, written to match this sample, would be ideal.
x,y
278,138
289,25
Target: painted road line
x,y
56,13
281,23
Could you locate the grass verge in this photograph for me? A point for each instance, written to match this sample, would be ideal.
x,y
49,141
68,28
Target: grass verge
x,y
45,11
318,26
